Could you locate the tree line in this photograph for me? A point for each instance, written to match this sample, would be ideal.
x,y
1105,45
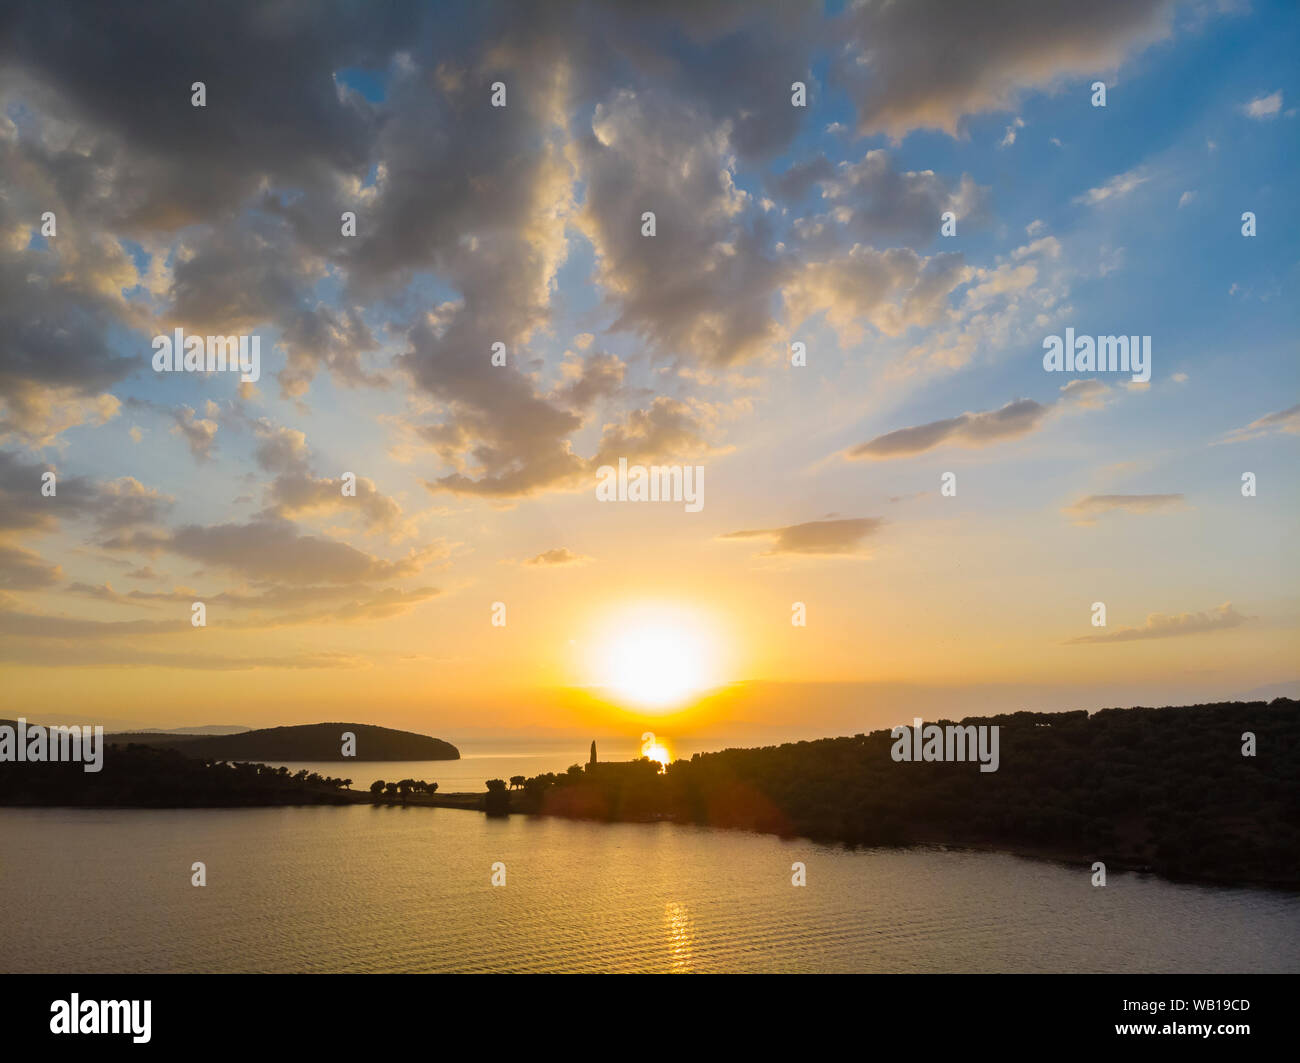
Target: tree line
x,y
1167,789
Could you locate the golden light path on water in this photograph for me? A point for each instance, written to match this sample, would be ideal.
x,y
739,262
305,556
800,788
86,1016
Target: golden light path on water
x,y
367,888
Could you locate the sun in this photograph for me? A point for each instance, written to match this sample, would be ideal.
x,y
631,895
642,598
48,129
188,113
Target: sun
x,y
654,665
654,656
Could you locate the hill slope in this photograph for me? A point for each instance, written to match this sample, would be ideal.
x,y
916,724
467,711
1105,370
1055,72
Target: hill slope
x,y
1163,789
312,741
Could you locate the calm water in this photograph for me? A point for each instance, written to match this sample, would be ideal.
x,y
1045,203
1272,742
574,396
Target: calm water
x,y
408,889
477,764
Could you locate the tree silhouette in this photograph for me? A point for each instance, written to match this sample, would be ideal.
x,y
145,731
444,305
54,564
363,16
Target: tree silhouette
x,y
497,801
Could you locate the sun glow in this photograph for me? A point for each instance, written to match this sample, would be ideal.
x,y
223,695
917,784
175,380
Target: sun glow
x,y
659,752
655,656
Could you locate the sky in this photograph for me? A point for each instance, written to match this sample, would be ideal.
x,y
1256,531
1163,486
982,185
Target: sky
x,y
942,512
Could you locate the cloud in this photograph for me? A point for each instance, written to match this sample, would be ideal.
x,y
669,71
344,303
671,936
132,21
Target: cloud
x,y
797,180
1287,421
1086,510
1015,419
25,570
380,605
166,164
1117,187
1019,417
274,550
126,502
1090,394
199,432
110,505
588,379
1163,626
873,203
561,555
668,428
926,64
58,306
1264,107
139,163
701,288
890,290
294,495
232,279
819,538
116,655
295,491
1003,305
280,449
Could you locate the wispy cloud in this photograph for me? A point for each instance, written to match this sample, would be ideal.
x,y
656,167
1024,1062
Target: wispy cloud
x,y
818,538
561,555
1287,420
1117,187
1164,626
1086,510
1017,418
1264,107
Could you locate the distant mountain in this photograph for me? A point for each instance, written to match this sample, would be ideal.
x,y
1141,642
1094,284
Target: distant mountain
x,y
114,726
208,729
312,742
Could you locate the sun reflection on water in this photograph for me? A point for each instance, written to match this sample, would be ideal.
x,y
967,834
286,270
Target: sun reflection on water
x,y
681,938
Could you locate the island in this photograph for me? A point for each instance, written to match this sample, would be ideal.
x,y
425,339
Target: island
x,y
308,742
1206,793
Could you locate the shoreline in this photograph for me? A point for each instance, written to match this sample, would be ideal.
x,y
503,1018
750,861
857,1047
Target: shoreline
x,y
473,802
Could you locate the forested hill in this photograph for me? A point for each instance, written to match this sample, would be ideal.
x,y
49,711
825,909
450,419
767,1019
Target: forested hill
x,y
312,742
1167,789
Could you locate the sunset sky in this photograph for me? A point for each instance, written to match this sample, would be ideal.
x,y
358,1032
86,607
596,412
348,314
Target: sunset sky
x,y
522,225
